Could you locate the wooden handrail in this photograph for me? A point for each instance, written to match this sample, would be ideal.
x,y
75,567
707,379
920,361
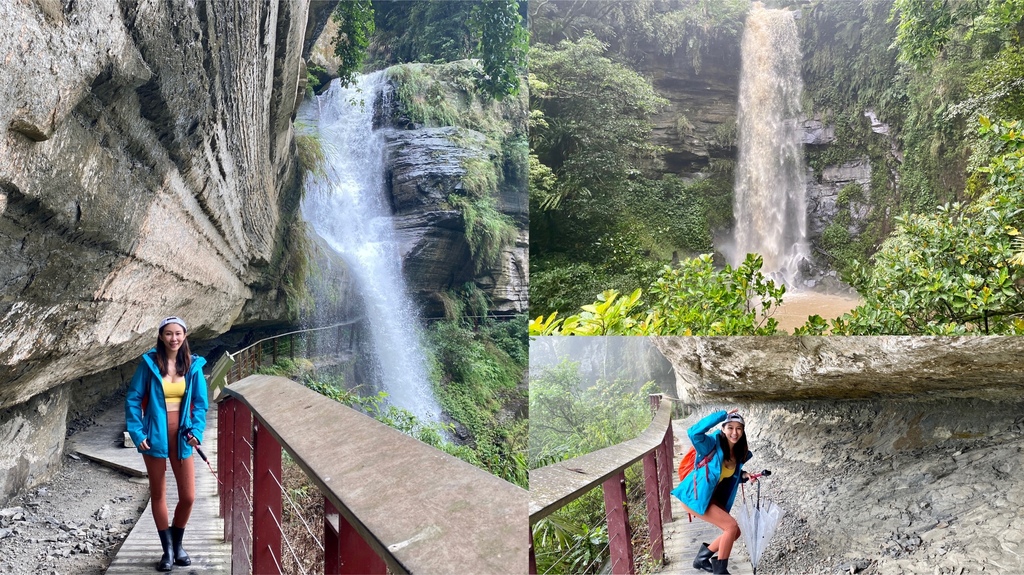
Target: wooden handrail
x,y
553,486
420,509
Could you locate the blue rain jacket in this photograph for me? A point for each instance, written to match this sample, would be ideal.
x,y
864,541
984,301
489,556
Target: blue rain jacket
x,y
151,425
706,477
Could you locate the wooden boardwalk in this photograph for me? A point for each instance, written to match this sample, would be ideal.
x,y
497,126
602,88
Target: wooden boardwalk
x,y
682,538
205,531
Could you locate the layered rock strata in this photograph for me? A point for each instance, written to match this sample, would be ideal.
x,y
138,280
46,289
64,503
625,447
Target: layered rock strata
x,y
146,163
427,165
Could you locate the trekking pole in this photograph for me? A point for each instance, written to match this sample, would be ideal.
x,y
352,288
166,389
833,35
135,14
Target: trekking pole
x,y
189,435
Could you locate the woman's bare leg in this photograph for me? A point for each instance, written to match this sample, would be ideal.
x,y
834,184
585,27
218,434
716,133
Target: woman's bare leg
x,y
718,517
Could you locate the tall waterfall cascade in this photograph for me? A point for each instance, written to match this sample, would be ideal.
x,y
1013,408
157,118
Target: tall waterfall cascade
x,y
770,205
350,210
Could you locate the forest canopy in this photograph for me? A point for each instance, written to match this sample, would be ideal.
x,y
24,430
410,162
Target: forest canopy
x,y
929,95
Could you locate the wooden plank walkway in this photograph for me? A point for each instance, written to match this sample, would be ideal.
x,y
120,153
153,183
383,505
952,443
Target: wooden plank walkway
x,y
682,538
205,531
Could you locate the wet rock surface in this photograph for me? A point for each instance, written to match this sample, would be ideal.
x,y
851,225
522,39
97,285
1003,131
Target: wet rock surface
x,y
427,167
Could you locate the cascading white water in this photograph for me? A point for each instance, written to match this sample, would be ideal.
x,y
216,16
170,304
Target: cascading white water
x,y
770,205
350,211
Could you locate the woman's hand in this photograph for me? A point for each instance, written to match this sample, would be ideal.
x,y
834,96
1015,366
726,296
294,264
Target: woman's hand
x,y
192,441
732,411
144,446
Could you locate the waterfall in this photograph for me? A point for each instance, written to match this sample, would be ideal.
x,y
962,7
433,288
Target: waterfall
x,y
770,204
350,210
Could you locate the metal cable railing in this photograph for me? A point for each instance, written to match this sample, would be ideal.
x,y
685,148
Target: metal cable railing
x,y
452,509
554,486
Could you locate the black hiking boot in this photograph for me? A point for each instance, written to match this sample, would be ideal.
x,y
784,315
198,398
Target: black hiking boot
x,y
703,559
180,557
165,542
720,566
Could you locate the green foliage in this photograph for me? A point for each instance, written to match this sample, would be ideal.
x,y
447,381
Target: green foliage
x,y
285,367
559,283
924,27
596,119
679,215
479,371
355,26
439,31
312,159
698,28
952,271
565,544
568,419
447,95
424,99
488,231
503,45
927,28
376,406
430,31
313,75
590,124
691,299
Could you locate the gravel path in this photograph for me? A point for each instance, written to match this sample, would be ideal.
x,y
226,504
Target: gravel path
x,y
74,523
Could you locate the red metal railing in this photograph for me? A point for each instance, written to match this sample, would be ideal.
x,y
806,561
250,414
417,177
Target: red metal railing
x,y
391,502
555,485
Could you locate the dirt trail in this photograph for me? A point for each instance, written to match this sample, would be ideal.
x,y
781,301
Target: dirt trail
x,y
75,522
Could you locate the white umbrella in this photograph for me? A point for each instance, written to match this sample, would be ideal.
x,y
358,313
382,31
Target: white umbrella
x,y
758,522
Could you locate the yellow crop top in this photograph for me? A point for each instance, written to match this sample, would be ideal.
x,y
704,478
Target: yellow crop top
x,y
173,393
727,472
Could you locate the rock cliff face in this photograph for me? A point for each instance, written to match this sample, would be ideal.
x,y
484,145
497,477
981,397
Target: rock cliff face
x,y
699,122
145,165
428,165
792,368
889,454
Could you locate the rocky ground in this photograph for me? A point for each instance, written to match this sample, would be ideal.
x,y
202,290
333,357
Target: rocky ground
x,y
894,487
75,523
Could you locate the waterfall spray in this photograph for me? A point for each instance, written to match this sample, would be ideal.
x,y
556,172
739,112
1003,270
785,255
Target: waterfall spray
x,y
350,210
770,204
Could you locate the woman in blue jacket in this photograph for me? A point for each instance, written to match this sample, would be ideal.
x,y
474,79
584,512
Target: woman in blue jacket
x,y
165,411
709,489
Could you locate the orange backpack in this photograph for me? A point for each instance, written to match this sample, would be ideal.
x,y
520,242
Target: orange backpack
x,y
690,463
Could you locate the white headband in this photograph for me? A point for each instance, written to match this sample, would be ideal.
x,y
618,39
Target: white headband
x,y
173,319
